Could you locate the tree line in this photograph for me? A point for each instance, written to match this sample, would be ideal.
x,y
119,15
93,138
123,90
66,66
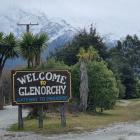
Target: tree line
x,y
121,61
100,75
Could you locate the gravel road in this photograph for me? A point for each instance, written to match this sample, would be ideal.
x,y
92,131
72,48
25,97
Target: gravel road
x,y
122,131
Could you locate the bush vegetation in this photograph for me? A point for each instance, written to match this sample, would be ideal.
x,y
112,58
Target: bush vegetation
x,y
99,75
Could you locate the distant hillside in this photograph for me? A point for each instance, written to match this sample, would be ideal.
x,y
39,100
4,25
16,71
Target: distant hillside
x,y
58,30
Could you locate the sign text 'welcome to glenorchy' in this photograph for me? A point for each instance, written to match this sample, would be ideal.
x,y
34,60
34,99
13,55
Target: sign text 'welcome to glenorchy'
x,y
37,87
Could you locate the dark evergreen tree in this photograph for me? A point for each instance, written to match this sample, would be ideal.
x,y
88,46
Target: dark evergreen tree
x,y
125,63
84,39
129,81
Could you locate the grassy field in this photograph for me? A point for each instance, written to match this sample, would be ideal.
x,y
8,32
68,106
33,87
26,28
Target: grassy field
x,y
123,112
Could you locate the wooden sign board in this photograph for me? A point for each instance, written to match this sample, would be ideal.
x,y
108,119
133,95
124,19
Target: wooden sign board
x,y
39,87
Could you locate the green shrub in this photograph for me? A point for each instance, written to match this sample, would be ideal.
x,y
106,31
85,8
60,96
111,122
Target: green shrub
x,y
102,85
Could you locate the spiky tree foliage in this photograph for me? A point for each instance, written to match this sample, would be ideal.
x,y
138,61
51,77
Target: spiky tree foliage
x,y
40,44
27,48
31,47
8,50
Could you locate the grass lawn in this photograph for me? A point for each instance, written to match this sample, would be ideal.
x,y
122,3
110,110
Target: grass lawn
x,y
123,112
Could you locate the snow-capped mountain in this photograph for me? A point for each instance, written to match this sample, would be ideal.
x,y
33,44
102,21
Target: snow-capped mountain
x,y
58,30
54,27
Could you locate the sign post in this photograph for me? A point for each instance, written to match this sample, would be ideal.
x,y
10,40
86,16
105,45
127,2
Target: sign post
x,y
41,87
40,114
20,118
63,115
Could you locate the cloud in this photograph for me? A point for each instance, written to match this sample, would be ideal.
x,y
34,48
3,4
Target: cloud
x,y
107,14
78,8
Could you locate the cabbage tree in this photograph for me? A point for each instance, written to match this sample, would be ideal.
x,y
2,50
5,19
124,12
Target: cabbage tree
x,y
8,50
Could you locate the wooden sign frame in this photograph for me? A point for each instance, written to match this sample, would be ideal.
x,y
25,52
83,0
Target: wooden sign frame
x,y
15,86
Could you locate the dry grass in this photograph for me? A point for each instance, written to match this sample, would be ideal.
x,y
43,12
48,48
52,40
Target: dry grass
x,y
123,112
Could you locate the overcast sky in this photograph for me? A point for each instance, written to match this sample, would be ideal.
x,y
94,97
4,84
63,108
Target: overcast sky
x,y
121,16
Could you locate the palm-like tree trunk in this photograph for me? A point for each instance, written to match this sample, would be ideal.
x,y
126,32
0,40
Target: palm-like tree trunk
x,y
83,86
37,59
28,63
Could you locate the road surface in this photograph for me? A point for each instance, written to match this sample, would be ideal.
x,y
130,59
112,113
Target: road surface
x,y
122,131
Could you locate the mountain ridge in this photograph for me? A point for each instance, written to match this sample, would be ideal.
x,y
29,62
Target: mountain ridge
x,y
58,30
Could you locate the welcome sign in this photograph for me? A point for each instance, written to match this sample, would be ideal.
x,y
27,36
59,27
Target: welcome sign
x,y
37,87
